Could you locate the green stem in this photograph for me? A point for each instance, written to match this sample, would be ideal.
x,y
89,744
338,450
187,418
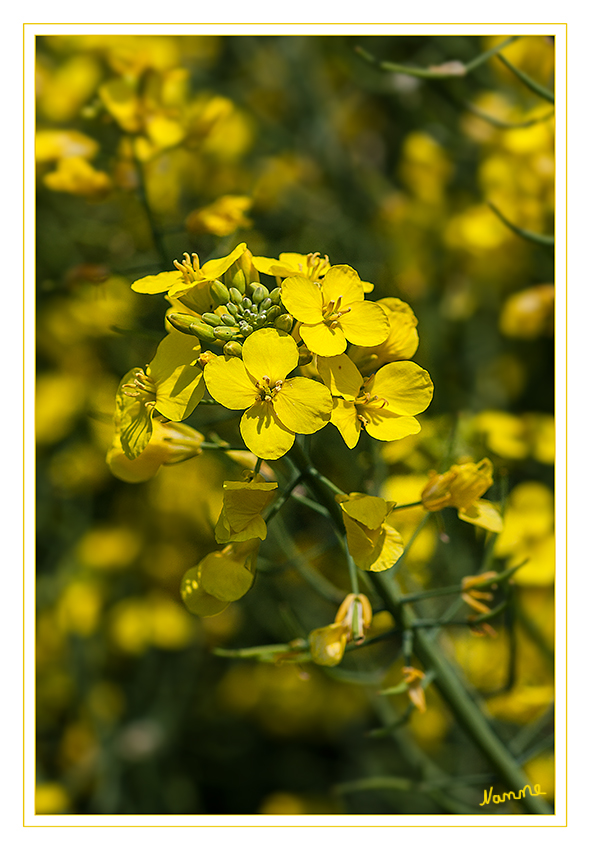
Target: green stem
x,y
529,235
531,84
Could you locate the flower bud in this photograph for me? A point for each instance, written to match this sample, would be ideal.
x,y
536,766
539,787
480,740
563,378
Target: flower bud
x,y
235,295
232,349
212,319
219,292
275,295
191,325
259,293
237,280
229,320
284,322
225,333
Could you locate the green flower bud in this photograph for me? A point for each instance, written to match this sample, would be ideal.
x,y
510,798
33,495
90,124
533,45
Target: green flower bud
x,y
212,319
238,281
259,293
192,325
220,292
273,313
247,303
265,304
275,295
226,334
235,295
229,320
284,322
232,349
233,308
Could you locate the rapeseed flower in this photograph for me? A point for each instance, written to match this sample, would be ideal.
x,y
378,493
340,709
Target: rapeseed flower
x,y
172,385
223,217
384,404
220,578
327,644
461,488
276,407
243,503
401,344
373,543
334,311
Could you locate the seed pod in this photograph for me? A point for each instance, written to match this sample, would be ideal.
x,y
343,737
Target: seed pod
x,y
228,320
232,349
235,295
284,322
273,313
259,293
226,334
212,319
220,292
275,295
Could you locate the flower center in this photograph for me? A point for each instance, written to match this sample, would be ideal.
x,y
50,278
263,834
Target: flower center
x,y
333,310
190,268
266,390
143,388
316,266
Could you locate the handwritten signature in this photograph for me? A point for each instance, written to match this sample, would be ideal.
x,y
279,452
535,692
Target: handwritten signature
x,y
510,795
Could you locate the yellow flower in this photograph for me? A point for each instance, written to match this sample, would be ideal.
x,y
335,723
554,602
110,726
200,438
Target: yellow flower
x,y
220,578
334,311
401,344
327,644
383,404
223,217
189,277
528,314
76,176
276,407
372,542
170,443
461,488
311,266
172,384
243,503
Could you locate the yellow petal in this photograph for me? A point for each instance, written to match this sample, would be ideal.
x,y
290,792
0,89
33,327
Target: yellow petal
x,y
213,269
344,417
229,383
342,282
323,340
178,381
369,510
391,550
366,324
155,283
302,298
327,644
225,578
384,425
484,514
196,599
405,385
270,354
263,433
340,375
303,406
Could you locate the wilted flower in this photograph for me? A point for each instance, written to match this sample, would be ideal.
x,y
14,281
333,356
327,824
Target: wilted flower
x,y
327,644
372,542
243,503
220,578
171,442
461,488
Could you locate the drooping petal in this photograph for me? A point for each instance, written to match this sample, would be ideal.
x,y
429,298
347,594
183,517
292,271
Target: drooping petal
x,y
383,424
484,514
179,382
391,550
323,339
197,600
229,383
342,282
406,386
263,433
270,354
224,577
344,417
243,503
365,324
340,375
133,420
302,298
303,406
327,644
368,510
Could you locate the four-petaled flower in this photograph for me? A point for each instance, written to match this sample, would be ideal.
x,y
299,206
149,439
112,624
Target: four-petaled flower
x,y
384,404
461,488
276,407
333,311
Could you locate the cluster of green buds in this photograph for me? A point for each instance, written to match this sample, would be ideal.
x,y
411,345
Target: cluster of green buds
x,y
243,306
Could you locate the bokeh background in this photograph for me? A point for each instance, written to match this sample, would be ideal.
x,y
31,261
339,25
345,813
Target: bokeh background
x,y
151,146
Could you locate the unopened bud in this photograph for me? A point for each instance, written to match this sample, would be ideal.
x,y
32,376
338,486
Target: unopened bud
x,y
235,295
228,320
206,357
212,319
275,295
265,304
232,349
225,333
187,324
284,322
259,293
220,292
273,313
238,281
